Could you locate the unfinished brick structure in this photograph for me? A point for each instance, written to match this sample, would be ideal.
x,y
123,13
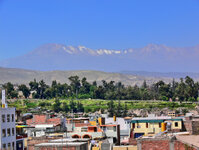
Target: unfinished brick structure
x,y
191,124
62,146
159,143
181,142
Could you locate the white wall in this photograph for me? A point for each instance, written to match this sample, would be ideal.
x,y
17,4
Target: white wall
x,y
5,125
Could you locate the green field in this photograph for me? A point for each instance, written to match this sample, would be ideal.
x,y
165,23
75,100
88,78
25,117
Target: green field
x,y
96,105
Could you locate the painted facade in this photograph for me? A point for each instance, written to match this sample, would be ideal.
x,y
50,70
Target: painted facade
x,y
153,125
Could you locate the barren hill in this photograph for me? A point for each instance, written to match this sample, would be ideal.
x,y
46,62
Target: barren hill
x,y
19,76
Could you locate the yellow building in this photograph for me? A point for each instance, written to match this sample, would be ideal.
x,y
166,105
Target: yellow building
x,y
153,125
97,121
171,114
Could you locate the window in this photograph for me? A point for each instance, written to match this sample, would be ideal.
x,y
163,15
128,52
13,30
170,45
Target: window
x,y
9,146
147,125
3,118
13,131
176,124
114,128
13,145
8,117
4,132
8,131
13,118
4,146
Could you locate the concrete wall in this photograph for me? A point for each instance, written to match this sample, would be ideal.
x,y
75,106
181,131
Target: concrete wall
x,y
7,125
92,134
192,127
154,128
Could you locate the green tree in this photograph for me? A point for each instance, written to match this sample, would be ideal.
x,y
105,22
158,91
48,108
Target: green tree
x,y
73,106
65,107
144,85
119,109
80,107
25,90
111,108
85,89
56,106
190,90
34,85
42,88
10,91
125,110
75,84
180,90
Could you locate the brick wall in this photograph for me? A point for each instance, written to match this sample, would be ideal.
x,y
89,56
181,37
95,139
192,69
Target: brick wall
x,y
195,126
82,124
155,145
32,142
55,148
188,126
37,119
192,127
181,146
132,141
164,143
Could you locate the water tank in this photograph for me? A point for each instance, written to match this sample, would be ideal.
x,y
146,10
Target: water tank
x,y
163,126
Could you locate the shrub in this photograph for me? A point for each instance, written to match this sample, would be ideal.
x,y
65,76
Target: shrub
x,y
164,98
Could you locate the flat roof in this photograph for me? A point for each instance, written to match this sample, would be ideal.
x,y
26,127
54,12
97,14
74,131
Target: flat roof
x,y
154,119
70,140
189,139
108,125
61,144
80,118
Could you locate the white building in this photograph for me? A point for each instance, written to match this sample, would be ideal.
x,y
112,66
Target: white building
x,y
7,129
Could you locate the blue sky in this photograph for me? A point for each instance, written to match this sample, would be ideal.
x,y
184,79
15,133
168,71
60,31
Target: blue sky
x,y
111,24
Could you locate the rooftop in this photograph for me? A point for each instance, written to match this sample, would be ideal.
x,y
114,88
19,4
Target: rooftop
x,y
155,119
189,139
69,140
60,144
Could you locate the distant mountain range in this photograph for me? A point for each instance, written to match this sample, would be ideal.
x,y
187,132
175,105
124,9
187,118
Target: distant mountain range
x,y
21,76
152,58
176,75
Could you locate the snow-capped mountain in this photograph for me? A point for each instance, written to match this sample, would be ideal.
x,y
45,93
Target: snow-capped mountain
x,y
149,58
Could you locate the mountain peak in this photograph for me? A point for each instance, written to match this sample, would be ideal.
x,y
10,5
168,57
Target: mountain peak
x,y
152,57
